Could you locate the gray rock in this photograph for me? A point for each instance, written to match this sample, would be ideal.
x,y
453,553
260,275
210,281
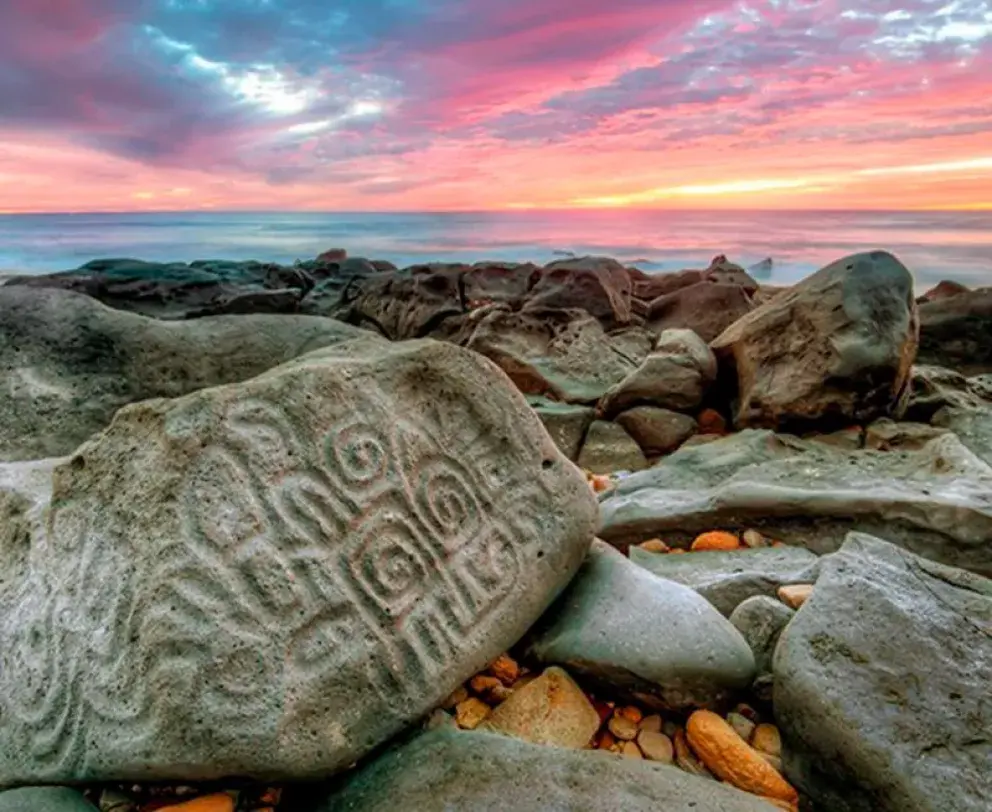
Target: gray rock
x,y
973,427
882,685
44,799
936,502
839,346
270,579
933,388
657,431
675,376
761,620
656,640
727,579
70,362
886,435
608,448
444,771
566,423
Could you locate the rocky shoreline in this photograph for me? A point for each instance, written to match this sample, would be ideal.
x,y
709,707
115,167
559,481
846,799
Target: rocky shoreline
x,y
342,536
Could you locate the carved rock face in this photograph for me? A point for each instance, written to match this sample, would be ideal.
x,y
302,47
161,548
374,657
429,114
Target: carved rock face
x,y
271,578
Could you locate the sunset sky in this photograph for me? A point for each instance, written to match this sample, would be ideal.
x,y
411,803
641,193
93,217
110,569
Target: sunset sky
x,y
366,105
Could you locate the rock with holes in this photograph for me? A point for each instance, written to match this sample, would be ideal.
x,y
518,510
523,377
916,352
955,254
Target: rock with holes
x,y
835,349
269,579
882,685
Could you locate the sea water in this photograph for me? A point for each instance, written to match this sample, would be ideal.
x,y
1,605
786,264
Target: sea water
x,y
934,245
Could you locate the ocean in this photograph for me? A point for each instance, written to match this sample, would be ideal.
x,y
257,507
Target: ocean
x,y
934,245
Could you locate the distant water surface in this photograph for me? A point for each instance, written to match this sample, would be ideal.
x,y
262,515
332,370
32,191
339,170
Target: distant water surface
x,y
935,245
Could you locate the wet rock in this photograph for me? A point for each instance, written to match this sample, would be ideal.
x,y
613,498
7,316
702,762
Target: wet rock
x,y
839,346
44,799
761,620
608,448
605,628
936,502
727,579
565,422
881,689
70,362
484,772
956,332
272,578
656,431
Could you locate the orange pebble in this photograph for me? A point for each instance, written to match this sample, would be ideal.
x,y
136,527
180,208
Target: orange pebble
x,y
505,669
221,802
483,684
607,741
717,540
632,713
712,422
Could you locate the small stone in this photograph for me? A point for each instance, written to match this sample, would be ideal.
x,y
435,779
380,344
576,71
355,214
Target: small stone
x,y
654,546
459,695
623,728
774,761
796,595
218,802
471,713
505,669
482,684
606,741
686,759
754,539
748,712
767,739
712,422
600,482
744,726
500,693
112,800
656,746
631,750
631,712
717,540
652,723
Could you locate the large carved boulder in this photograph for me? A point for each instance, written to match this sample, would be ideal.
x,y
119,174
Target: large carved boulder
x,y
270,579
838,347
68,362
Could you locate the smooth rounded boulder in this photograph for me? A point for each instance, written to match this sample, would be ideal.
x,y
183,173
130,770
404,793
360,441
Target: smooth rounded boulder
x,y
269,579
837,347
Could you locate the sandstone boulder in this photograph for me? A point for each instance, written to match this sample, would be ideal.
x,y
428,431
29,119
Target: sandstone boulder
x,y
657,431
598,285
70,362
933,388
706,308
270,579
836,348
956,332
881,684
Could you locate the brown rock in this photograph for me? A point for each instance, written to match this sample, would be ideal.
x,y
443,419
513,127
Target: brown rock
x,y
333,255
795,595
551,710
631,750
506,669
471,713
623,728
712,422
483,684
459,695
608,448
656,746
754,539
956,332
598,285
838,347
655,546
651,723
657,431
767,739
705,308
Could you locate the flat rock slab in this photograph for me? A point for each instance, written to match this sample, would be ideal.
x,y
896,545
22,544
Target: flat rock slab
x,y
69,362
936,502
882,685
727,579
271,578
656,640
44,799
444,771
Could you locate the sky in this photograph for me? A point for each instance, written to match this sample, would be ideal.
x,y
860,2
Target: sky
x,y
385,105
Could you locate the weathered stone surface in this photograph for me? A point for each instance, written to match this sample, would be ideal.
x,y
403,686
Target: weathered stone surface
x,y
657,431
837,347
887,435
70,362
656,640
608,448
933,388
882,685
566,423
936,502
444,771
973,427
705,308
598,285
271,578
565,354
44,799
761,620
674,376
956,332
721,271
727,579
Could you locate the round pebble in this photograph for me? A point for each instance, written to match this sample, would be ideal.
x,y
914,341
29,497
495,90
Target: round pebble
x,y
632,713
717,540
654,546
754,539
623,728
656,746
767,739
631,750
652,723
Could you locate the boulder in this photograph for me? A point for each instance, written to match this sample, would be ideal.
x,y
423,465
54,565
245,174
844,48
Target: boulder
x,y
657,431
936,502
444,771
973,427
887,435
598,285
727,579
943,290
761,620
705,308
566,423
674,376
498,282
272,578
44,799
956,332
933,388
835,349
605,628
721,271
881,685
70,362
608,448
